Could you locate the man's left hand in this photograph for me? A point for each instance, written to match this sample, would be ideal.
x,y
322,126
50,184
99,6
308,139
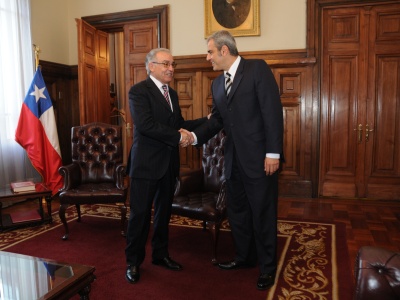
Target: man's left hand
x,y
271,165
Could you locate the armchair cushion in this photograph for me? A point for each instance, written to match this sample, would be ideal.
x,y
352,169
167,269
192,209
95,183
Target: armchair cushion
x,y
201,194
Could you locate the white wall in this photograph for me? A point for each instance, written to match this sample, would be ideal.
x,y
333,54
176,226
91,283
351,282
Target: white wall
x,y
282,25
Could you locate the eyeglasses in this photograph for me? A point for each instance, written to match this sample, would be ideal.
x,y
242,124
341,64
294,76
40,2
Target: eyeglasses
x,y
166,64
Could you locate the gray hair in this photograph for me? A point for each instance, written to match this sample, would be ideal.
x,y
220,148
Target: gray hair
x,y
150,56
223,37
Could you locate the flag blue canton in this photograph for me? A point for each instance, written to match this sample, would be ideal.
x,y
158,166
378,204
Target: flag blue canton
x,y
38,99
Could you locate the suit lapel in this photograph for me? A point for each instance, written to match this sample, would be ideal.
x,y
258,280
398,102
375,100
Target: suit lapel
x,y
154,90
236,80
218,88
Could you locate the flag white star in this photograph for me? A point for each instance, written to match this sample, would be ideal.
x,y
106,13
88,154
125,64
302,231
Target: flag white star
x,y
38,93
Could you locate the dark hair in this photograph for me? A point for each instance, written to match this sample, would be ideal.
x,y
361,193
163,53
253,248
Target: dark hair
x,y
223,37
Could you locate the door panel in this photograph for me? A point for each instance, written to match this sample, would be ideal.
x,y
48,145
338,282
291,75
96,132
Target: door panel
x,y
340,107
383,169
140,37
94,78
190,103
360,102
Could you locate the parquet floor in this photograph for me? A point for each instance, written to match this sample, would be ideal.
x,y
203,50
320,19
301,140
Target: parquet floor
x,y
372,223
368,223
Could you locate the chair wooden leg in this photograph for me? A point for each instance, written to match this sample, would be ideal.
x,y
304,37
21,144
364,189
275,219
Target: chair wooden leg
x,y
61,214
214,228
78,210
123,219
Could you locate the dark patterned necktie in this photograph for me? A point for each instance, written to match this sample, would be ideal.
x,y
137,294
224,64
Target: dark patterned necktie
x,y
166,96
228,83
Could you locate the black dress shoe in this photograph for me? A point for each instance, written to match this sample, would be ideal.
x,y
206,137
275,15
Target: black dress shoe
x,y
232,265
168,263
132,274
265,281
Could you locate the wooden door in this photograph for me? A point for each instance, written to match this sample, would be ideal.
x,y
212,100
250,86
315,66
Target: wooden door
x,y
140,37
94,74
382,168
360,102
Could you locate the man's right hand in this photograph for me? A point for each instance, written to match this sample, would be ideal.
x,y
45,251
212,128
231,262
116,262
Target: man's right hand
x,y
186,138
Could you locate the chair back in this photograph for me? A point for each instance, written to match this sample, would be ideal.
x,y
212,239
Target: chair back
x,y
97,149
213,162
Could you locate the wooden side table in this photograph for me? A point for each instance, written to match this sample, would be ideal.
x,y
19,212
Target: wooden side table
x,y
8,195
47,279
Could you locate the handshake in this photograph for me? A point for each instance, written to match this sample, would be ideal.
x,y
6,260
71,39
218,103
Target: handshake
x,y
187,138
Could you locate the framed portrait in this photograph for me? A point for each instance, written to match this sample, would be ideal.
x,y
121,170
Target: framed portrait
x,y
239,17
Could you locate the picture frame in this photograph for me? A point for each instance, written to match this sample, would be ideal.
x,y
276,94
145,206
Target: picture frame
x,y
244,21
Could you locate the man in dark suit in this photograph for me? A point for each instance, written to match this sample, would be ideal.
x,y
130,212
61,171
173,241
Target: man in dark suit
x,y
251,115
153,164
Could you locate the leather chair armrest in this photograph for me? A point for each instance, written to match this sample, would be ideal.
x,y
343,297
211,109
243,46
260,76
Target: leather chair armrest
x,y
72,176
377,274
189,182
120,173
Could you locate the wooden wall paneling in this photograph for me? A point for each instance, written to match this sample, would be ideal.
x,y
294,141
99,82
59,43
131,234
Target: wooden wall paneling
x,y
192,80
294,76
295,90
62,84
207,79
186,85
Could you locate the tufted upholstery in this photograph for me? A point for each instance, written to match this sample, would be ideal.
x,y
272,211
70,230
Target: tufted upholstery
x,y
96,174
377,274
201,194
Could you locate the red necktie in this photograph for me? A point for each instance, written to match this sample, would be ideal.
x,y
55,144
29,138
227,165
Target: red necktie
x,y
166,96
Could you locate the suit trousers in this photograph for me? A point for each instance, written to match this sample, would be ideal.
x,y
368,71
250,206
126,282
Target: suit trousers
x,y
252,215
142,194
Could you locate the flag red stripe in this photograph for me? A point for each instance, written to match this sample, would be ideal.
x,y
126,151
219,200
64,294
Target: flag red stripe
x,y
32,137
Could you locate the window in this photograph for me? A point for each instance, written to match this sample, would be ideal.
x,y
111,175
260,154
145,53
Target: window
x,y
16,73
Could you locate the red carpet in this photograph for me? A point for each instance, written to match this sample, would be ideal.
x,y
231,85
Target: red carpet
x,y
306,270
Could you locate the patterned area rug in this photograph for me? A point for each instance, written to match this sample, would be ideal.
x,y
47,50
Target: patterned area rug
x,y
313,259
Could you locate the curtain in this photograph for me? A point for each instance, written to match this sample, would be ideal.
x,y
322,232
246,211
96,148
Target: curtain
x,y
16,73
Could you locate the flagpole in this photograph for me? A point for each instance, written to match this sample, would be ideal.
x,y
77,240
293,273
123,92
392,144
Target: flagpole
x,y
37,50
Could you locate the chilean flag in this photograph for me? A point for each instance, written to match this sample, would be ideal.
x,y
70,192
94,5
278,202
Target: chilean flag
x,y
37,133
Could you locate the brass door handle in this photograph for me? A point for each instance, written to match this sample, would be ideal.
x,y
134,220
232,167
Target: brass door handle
x,y
359,133
367,131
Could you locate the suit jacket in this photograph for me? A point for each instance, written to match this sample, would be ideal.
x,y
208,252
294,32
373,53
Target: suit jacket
x,y
155,131
251,116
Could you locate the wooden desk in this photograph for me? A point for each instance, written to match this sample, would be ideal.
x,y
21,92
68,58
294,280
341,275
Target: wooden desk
x,y
48,279
41,191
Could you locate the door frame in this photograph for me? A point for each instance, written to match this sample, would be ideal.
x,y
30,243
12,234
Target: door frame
x,y
313,48
114,22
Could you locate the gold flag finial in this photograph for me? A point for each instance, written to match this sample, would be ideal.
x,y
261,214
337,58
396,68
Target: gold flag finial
x,y
37,50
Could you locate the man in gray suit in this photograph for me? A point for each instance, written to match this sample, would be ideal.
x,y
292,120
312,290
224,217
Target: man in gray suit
x,y
248,107
153,163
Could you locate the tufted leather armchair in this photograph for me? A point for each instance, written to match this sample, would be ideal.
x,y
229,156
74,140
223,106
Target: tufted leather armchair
x,y
377,274
96,174
201,194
